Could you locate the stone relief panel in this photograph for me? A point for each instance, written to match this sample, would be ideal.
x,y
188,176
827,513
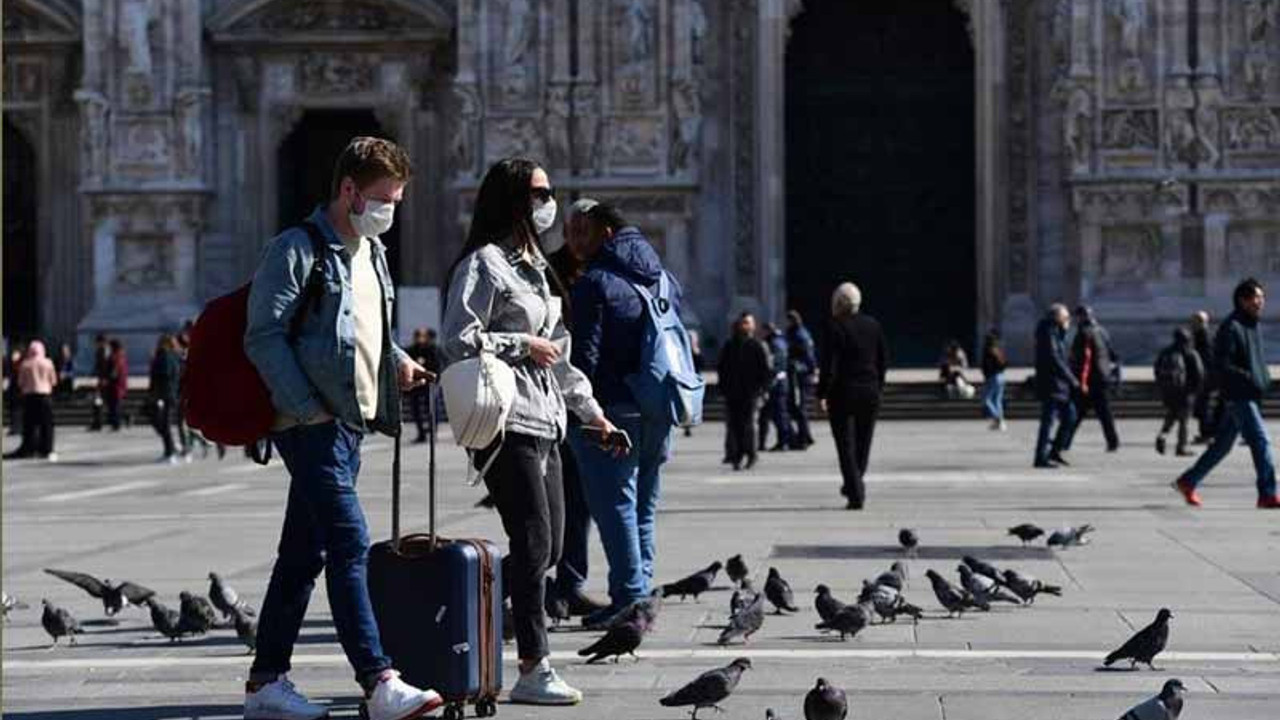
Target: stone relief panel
x,y
587,128
1252,48
463,150
141,47
144,263
143,147
555,124
1130,255
686,122
328,16
514,56
1252,136
1253,248
338,74
1130,37
633,53
635,144
505,137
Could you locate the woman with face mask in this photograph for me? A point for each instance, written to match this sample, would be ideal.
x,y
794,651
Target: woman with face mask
x,y
500,301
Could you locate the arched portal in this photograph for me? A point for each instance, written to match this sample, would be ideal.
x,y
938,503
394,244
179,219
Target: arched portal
x,y
21,246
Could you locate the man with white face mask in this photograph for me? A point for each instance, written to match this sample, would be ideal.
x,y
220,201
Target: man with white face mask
x,y
319,334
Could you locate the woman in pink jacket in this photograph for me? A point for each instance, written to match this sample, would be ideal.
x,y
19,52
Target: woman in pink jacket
x,y
37,377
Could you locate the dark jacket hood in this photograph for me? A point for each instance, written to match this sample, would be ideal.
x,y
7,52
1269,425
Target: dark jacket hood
x,y
630,255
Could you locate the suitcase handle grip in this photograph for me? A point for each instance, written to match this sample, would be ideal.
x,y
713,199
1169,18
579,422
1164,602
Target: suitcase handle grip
x,y
431,480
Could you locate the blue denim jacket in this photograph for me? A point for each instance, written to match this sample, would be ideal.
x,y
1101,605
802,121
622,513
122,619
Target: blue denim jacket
x,y
316,372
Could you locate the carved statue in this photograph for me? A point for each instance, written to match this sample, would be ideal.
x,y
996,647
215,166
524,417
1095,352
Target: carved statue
x,y
698,31
462,159
555,121
94,139
1252,129
1207,132
519,34
637,21
586,130
135,17
1132,18
189,108
1181,138
1130,129
1078,130
1259,18
687,106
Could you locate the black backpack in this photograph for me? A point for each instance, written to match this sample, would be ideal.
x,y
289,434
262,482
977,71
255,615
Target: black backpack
x,y
1171,370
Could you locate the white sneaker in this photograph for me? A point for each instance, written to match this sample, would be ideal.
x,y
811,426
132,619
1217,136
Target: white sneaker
x,y
395,699
280,700
51,457
542,686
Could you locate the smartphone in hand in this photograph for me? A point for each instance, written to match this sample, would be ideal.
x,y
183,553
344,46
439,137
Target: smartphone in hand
x,y
617,442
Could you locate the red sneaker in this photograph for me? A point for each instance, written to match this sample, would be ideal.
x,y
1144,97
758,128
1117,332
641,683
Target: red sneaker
x,y
1188,493
1269,503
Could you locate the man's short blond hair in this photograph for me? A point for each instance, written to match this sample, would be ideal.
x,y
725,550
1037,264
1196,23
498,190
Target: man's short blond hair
x,y
367,160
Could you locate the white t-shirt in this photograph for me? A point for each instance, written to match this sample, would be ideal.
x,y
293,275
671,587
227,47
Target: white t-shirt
x,y
366,311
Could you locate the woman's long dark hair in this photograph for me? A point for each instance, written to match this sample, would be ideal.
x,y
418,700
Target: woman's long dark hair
x,y
503,209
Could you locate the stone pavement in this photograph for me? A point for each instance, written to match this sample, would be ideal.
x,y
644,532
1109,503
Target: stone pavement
x,y
104,509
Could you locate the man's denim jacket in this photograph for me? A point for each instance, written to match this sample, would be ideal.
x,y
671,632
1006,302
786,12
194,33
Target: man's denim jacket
x,y
315,372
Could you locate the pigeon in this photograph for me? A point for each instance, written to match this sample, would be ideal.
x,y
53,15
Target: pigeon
x,y
246,629
984,589
826,604
114,597
59,623
984,569
644,611
1026,532
695,584
737,570
1165,706
954,600
10,603
825,702
779,593
1068,536
746,623
849,621
196,615
888,603
769,714
555,604
166,621
619,640
895,577
908,540
1146,644
709,689
742,597
1027,587
225,598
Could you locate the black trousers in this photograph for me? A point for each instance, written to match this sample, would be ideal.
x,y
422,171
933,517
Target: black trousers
x,y
526,486
740,440
37,427
797,407
1100,402
853,428
13,403
1176,413
418,405
162,423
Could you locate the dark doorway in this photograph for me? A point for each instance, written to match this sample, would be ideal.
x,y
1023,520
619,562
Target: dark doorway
x,y
305,163
880,168
21,246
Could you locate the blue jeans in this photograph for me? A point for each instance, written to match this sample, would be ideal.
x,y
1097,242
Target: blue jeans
x,y
571,572
993,397
776,410
324,529
1064,412
1242,417
622,494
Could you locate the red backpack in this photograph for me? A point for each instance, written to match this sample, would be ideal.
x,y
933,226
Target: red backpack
x,y
223,397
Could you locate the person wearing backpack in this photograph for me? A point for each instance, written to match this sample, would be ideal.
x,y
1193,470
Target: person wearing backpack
x,y
1243,380
775,410
332,380
1097,370
609,322
1179,376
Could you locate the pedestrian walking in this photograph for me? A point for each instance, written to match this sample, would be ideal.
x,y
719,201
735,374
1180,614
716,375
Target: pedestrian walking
x,y
66,367
609,330
187,437
745,373
36,379
994,364
102,377
1055,384
500,301
699,363
951,369
115,382
569,586
12,393
802,367
1097,371
1179,376
425,351
1208,406
776,411
336,379
855,362
1241,367
162,395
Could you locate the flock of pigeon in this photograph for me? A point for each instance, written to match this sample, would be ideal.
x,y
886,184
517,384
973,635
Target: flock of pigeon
x,y
980,585
195,615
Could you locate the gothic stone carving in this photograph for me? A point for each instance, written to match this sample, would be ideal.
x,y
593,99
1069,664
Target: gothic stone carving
x,y
634,42
138,23
635,144
142,146
1187,142
1130,18
144,263
507,137
462,141
95,114
327,16
1019,152
1253,249
190,116
555,123
1259,22
1130,130
1077,137
1252,128
515,54
742,136
1243,200
686,136
329,74
144,214
1132,202
24,79
586,129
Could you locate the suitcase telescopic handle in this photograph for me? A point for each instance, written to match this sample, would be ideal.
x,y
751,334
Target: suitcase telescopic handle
x,y
431,477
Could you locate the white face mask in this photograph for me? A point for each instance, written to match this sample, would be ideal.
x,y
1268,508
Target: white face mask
x,y
544,215
376,218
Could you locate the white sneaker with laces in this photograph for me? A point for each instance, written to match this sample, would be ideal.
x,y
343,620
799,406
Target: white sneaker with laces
x,y
542,686
395,699
281,700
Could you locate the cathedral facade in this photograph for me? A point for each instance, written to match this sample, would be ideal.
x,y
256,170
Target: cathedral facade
x,y
965,161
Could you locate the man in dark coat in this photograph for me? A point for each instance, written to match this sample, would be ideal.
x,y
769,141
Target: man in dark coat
x,y
1179,376
1096,367
1055,384
745,372
1243,380
802,365
1207,407
775,409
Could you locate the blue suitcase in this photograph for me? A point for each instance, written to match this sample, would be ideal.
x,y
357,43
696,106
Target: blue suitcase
x,y
438,603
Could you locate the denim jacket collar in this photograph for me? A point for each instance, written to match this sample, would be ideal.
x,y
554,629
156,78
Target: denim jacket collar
x,y
321,218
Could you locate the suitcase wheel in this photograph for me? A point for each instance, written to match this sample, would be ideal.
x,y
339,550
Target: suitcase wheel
x,y
454,711
364,711
488,707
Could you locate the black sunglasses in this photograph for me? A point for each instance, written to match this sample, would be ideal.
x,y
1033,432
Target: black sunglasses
x,y
542,194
